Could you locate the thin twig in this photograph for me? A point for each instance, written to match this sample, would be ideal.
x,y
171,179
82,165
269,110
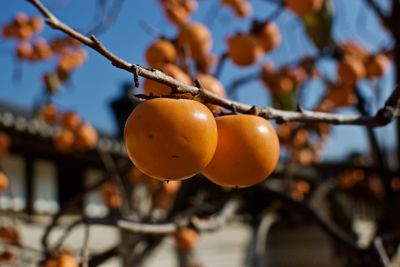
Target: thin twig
x,y
383,117
380,249
203,225
85,247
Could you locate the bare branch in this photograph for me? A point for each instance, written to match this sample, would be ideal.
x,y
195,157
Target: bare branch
x,y
380,249
202,225
382,118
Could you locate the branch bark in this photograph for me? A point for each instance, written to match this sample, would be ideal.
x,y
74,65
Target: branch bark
x,y
383,117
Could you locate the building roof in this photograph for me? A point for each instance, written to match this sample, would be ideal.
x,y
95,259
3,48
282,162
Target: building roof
x,y
22,120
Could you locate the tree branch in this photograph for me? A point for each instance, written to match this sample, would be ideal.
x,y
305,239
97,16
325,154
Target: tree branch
x,y
202,225
380,250
380,119
374,6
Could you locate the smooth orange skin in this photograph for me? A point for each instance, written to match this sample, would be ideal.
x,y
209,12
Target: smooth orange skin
x,y
247,151
86,136
244,49
304,7
3,182
49,113
197,38
351,70
377,66
70,120
170,139
160,52
5,144
159,89
64,140
186,239
270,37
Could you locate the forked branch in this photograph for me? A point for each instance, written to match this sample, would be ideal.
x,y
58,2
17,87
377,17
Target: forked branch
x,y
383,117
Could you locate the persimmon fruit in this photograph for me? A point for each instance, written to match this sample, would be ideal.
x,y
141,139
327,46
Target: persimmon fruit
x,y
213,85
244,49
5,143
159,89
186,239
304,7
247,151
351,70
170,139
377,65
64,140
70,120
86,136
197,37
3,182
160,52
269,36
49,113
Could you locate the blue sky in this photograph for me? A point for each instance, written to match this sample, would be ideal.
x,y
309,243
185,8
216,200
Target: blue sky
x,y
97,81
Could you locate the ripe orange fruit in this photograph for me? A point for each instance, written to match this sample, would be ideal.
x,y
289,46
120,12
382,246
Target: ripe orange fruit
x,y
351,70
3,182
304,7
171,187
5,143
159,89
160,52
242,8
61,259
36,23
24,50
269,36
177,14
64,140
21,19
247,151
7,255
212,84
86,136
340,95
377,65
136,176
170,139
111,195
9,235
70,120
186,239
42,50
49,113
197,38
244,49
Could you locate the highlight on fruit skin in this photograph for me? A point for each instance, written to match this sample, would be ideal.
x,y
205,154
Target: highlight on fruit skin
x,y
170,139
247,151
244,49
